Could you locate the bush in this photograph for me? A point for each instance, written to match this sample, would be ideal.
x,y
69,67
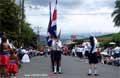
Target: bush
x,y
116,38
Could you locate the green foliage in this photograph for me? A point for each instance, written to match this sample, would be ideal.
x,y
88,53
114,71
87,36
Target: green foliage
x,y
116,13
80,41
117,2
10,22
9,15
76,42
116,38
27,34
105,43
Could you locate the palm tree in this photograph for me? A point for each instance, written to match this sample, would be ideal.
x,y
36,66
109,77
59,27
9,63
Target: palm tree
x,y
116,13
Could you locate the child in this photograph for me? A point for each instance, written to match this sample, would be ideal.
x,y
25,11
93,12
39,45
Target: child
x,y
92,57
56,55
13,65
25,58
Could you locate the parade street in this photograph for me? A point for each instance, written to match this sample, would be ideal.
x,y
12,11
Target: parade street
x,y
72,67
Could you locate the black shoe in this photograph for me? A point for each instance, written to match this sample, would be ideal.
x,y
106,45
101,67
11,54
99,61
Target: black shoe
x,y
55,72
96,74
89,74
52,69
60,73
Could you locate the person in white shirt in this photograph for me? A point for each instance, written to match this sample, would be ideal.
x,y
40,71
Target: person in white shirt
x,y
80,51
56,54
86,52
116,52
86,48
25,58
73,52
92,57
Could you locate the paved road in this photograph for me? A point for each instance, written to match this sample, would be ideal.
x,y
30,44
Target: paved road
x,y
39,67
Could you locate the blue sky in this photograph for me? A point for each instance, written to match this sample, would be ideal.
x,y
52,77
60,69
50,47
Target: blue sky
x,y
74,16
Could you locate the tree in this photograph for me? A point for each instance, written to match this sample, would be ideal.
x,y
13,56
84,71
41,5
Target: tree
x,y
27,34
9,16
10,22
116,38
116,13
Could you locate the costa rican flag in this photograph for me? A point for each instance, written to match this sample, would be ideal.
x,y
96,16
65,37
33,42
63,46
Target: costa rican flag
x,y
52,27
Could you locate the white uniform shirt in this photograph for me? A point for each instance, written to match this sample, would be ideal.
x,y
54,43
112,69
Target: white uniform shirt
x,y
86,48
117,49
80,49
73,50
94,49
56,45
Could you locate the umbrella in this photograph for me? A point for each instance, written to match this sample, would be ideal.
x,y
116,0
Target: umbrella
x,y
112,43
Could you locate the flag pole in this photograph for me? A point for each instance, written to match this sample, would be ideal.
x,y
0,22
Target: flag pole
x,y
49,24
52,62
59,34
50,10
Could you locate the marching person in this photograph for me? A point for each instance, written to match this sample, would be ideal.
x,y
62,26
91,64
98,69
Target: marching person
x,y
65,50
3,34
4,56
13,65
86,47
25,58
92,57
56,54
86,52
80,50
74,52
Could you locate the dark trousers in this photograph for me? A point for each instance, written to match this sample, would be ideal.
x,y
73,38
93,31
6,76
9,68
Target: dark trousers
x,y
20,55
52,60
55,57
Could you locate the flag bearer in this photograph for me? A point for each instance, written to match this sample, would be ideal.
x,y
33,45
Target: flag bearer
x,y
56,54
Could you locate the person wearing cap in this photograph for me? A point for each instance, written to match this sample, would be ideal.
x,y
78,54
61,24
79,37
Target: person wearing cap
x,y
92,57
56,54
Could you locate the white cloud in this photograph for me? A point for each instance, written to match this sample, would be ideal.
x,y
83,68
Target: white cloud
x,y
89,23
90,16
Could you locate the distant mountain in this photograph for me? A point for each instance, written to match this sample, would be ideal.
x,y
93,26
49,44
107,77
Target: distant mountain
x,y
65,37
83,35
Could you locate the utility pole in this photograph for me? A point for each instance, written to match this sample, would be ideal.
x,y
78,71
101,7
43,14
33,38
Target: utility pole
x,y
38,28
21,3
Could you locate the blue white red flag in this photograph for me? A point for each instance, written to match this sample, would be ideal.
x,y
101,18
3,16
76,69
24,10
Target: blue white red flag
x,y
52,27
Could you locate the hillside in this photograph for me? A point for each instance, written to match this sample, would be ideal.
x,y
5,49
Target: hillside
x,y
105,37
101,38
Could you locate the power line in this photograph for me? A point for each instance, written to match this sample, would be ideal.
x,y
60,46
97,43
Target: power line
x,y
76,14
